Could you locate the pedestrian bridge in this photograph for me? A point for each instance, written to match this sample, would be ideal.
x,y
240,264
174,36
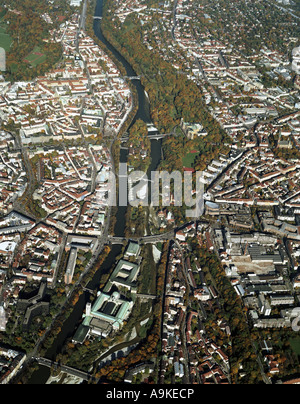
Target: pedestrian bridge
x,y
132,77
159,238
151,137
66,369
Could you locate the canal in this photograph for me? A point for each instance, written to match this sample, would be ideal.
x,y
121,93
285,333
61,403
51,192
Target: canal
x,y
69,327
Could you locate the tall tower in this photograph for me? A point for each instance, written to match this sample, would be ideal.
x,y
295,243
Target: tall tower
x,y
296,60
88,309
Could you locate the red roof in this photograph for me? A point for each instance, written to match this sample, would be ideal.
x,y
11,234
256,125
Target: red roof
x,y
192,170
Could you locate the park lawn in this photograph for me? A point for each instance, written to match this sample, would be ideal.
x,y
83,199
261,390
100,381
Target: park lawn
x,y
36,57
295,344
5,39
14,67
188,160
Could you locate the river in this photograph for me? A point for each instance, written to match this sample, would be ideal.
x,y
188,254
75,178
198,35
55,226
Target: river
x,y
69,327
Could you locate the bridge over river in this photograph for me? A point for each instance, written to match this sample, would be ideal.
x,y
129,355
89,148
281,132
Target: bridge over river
x,y
66,369
146,240
156,136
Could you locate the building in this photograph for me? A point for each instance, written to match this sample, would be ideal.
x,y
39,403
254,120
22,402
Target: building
x,y
193,129
71,266
133,249
107,314
38,309
111,308
10,363
264,305
85,243
14,222
259,253
282,300
75,3
3,319
144,368
25,303
81,334
124,276
296,60
34,306
178,369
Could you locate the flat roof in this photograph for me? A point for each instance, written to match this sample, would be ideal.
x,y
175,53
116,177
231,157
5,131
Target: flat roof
x,y
72,261
133,248
123,267
81,333
107,309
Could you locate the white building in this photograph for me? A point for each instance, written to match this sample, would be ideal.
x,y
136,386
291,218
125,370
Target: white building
x,y
296,60
3,320
75,3
264,305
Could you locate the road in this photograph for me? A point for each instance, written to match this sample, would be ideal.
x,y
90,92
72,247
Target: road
x,y
174,20
183,329
31,179
286,10
82,21
266,379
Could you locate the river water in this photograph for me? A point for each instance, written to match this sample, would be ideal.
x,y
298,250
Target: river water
x,y
69,327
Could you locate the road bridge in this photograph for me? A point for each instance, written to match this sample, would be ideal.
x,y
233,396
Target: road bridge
x,y
82,20
66,369
90,291
146,240
146,297
132,77
156,136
